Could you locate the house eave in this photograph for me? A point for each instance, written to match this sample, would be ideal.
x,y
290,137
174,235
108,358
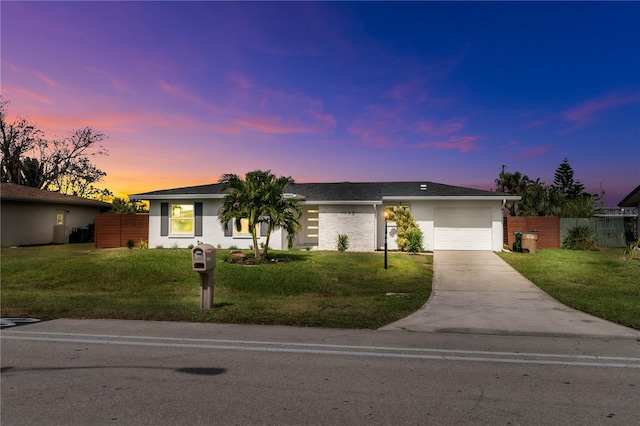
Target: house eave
x,y
175,196
452,197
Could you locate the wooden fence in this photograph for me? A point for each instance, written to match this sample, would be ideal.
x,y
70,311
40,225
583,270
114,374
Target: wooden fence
x,y
548,229
114,230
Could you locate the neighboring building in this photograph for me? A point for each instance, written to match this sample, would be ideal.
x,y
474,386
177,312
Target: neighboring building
x,y
633,200
33,216
451,217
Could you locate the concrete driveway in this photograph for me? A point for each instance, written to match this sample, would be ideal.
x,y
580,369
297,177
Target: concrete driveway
x,y
477,292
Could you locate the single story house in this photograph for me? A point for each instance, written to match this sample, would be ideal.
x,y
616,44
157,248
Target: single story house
x,y
450,217
633,200
33,216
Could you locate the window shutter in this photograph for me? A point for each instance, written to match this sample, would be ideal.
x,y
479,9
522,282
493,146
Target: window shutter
x,y
229,231
198,219
164,219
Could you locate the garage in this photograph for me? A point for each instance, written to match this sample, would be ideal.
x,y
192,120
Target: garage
x,y
462,229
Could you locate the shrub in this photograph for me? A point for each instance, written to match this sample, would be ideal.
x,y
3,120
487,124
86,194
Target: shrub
x,y
580,238
406,223
143,245
130,244
414,241
343,242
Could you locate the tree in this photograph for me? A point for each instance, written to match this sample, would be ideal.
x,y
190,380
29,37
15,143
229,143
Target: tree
x,y
564,182
18,139
59,165
122,206
512,183
67,166
280,212
258,198
539,199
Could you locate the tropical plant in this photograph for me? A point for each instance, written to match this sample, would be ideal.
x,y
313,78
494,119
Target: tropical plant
x,y
259,198
414,241
343,242
280,212
405,222
580,238
512,183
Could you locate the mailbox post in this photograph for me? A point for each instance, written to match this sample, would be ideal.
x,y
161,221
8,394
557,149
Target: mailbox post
x,y
203,261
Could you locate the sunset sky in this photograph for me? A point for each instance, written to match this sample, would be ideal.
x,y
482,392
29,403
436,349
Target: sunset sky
x,y
444,92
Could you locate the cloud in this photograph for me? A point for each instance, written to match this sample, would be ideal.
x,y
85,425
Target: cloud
x,y
379,126
588,112
534,152
515,150
462,143
115,83
432,128
46,79
537,123
271,125
18,92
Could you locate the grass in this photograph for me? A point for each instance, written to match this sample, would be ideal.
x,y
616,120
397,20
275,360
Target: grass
x,y
311,288
602,283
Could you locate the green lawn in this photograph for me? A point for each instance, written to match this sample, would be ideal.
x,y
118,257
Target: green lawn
x,y
312,288
603,283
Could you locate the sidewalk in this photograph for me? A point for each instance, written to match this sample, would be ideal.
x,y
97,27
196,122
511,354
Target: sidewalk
x,y
477,292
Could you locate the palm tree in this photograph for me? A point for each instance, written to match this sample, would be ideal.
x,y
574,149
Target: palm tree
x,y
512,183
259,198
281,212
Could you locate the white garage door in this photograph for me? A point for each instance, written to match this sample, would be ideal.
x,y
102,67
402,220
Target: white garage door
x,y
462,229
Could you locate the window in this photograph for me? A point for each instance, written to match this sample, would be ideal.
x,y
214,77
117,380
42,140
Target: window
x,y
182,219
244,231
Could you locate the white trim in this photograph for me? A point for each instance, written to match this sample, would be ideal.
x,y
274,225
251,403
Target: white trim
x,y
453,197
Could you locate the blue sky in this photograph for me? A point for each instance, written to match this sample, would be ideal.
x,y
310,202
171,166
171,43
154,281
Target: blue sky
x,y
334,91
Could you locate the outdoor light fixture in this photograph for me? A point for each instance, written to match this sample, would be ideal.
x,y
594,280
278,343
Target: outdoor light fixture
x,y
386,218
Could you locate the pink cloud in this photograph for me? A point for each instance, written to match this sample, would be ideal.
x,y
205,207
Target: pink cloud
x,y
447,127
18,92
379,126
9,64
462,143
46,79
587,112
271,125
115,83
537,123
534,152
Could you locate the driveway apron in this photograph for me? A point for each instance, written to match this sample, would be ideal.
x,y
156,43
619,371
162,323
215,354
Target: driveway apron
x,y
477,292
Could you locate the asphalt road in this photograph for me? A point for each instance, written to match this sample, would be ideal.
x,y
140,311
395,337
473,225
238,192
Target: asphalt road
x,y
107,372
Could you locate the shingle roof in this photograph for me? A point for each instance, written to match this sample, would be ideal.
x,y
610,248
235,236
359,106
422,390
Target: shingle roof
x,y
631,200
13,192
340,191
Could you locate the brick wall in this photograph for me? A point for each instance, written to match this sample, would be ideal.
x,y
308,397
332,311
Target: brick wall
x,y
548,229
113,230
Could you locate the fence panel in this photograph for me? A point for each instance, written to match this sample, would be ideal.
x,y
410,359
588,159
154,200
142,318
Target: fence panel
x,y
609,231
114,230
548,229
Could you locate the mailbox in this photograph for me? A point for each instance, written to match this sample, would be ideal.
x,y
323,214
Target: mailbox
x,y
203,258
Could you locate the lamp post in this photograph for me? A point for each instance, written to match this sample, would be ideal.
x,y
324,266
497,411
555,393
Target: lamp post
x,y
386,217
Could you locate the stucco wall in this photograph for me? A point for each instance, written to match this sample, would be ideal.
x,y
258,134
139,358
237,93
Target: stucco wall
x,y
424,214
26,223
212,232
356,221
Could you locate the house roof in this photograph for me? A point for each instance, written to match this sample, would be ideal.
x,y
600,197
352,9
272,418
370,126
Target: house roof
x,y
13,192
631,200
342,192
